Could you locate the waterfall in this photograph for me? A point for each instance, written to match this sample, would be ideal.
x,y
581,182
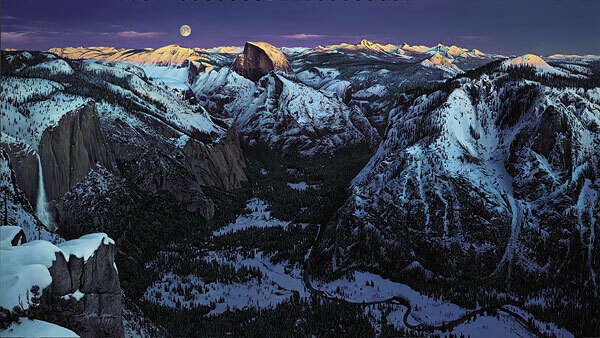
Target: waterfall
x,y
41,208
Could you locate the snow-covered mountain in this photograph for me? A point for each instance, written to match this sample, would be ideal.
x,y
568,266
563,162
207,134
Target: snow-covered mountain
x,y
485,179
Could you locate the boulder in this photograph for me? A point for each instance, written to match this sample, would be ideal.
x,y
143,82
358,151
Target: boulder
x,y
258,59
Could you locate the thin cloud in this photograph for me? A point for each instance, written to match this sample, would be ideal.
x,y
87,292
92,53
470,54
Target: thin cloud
x,y
8,17
473,37
134,34
15,36
302,36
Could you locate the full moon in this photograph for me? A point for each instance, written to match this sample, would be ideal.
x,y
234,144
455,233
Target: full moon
x,y
185,30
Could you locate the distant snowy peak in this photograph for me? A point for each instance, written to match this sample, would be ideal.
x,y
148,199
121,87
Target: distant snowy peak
x,y
294,50
404,49
439,61
536,62
363,46
528,60
446,51
574,56
223,49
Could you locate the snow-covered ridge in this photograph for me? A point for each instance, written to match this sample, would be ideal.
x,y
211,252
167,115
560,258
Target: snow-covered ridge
x,y
168,55
404,50
300,113
26,121
459,165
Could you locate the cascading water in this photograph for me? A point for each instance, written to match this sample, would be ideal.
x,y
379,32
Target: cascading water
x,y
42,205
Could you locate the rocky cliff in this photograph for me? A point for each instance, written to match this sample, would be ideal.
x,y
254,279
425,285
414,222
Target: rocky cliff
x,y
68,151
220,165
93,284
23,162
71,149
78,279
258,59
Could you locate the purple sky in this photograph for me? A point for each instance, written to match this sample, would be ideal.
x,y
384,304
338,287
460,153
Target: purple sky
x,y
507,26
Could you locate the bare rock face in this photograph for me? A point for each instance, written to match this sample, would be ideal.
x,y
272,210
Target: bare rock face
x,y
75,271
220,165
71,149
258,59
25,167
61,277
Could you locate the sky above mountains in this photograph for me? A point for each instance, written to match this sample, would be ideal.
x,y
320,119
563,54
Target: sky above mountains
x,y
507,27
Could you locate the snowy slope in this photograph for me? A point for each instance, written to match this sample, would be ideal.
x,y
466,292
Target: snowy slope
x,y
293,117
283,114
36,328
33,105
478,174
537,63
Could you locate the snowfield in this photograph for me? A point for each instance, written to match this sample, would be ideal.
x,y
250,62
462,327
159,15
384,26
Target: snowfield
x,y
368,287
36,328
301,186
278,283
259,217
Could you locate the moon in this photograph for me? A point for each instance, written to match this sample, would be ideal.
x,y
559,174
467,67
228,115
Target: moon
x,y
185,30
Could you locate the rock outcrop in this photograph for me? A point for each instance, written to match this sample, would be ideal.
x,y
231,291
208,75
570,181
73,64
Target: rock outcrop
x,y
71,149
258,59
78,280
93,288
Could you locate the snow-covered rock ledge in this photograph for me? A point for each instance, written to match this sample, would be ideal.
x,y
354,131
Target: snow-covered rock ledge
x,y
81,270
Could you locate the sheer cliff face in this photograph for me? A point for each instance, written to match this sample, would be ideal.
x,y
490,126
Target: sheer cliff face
x,y
71,149
68,150
258,59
